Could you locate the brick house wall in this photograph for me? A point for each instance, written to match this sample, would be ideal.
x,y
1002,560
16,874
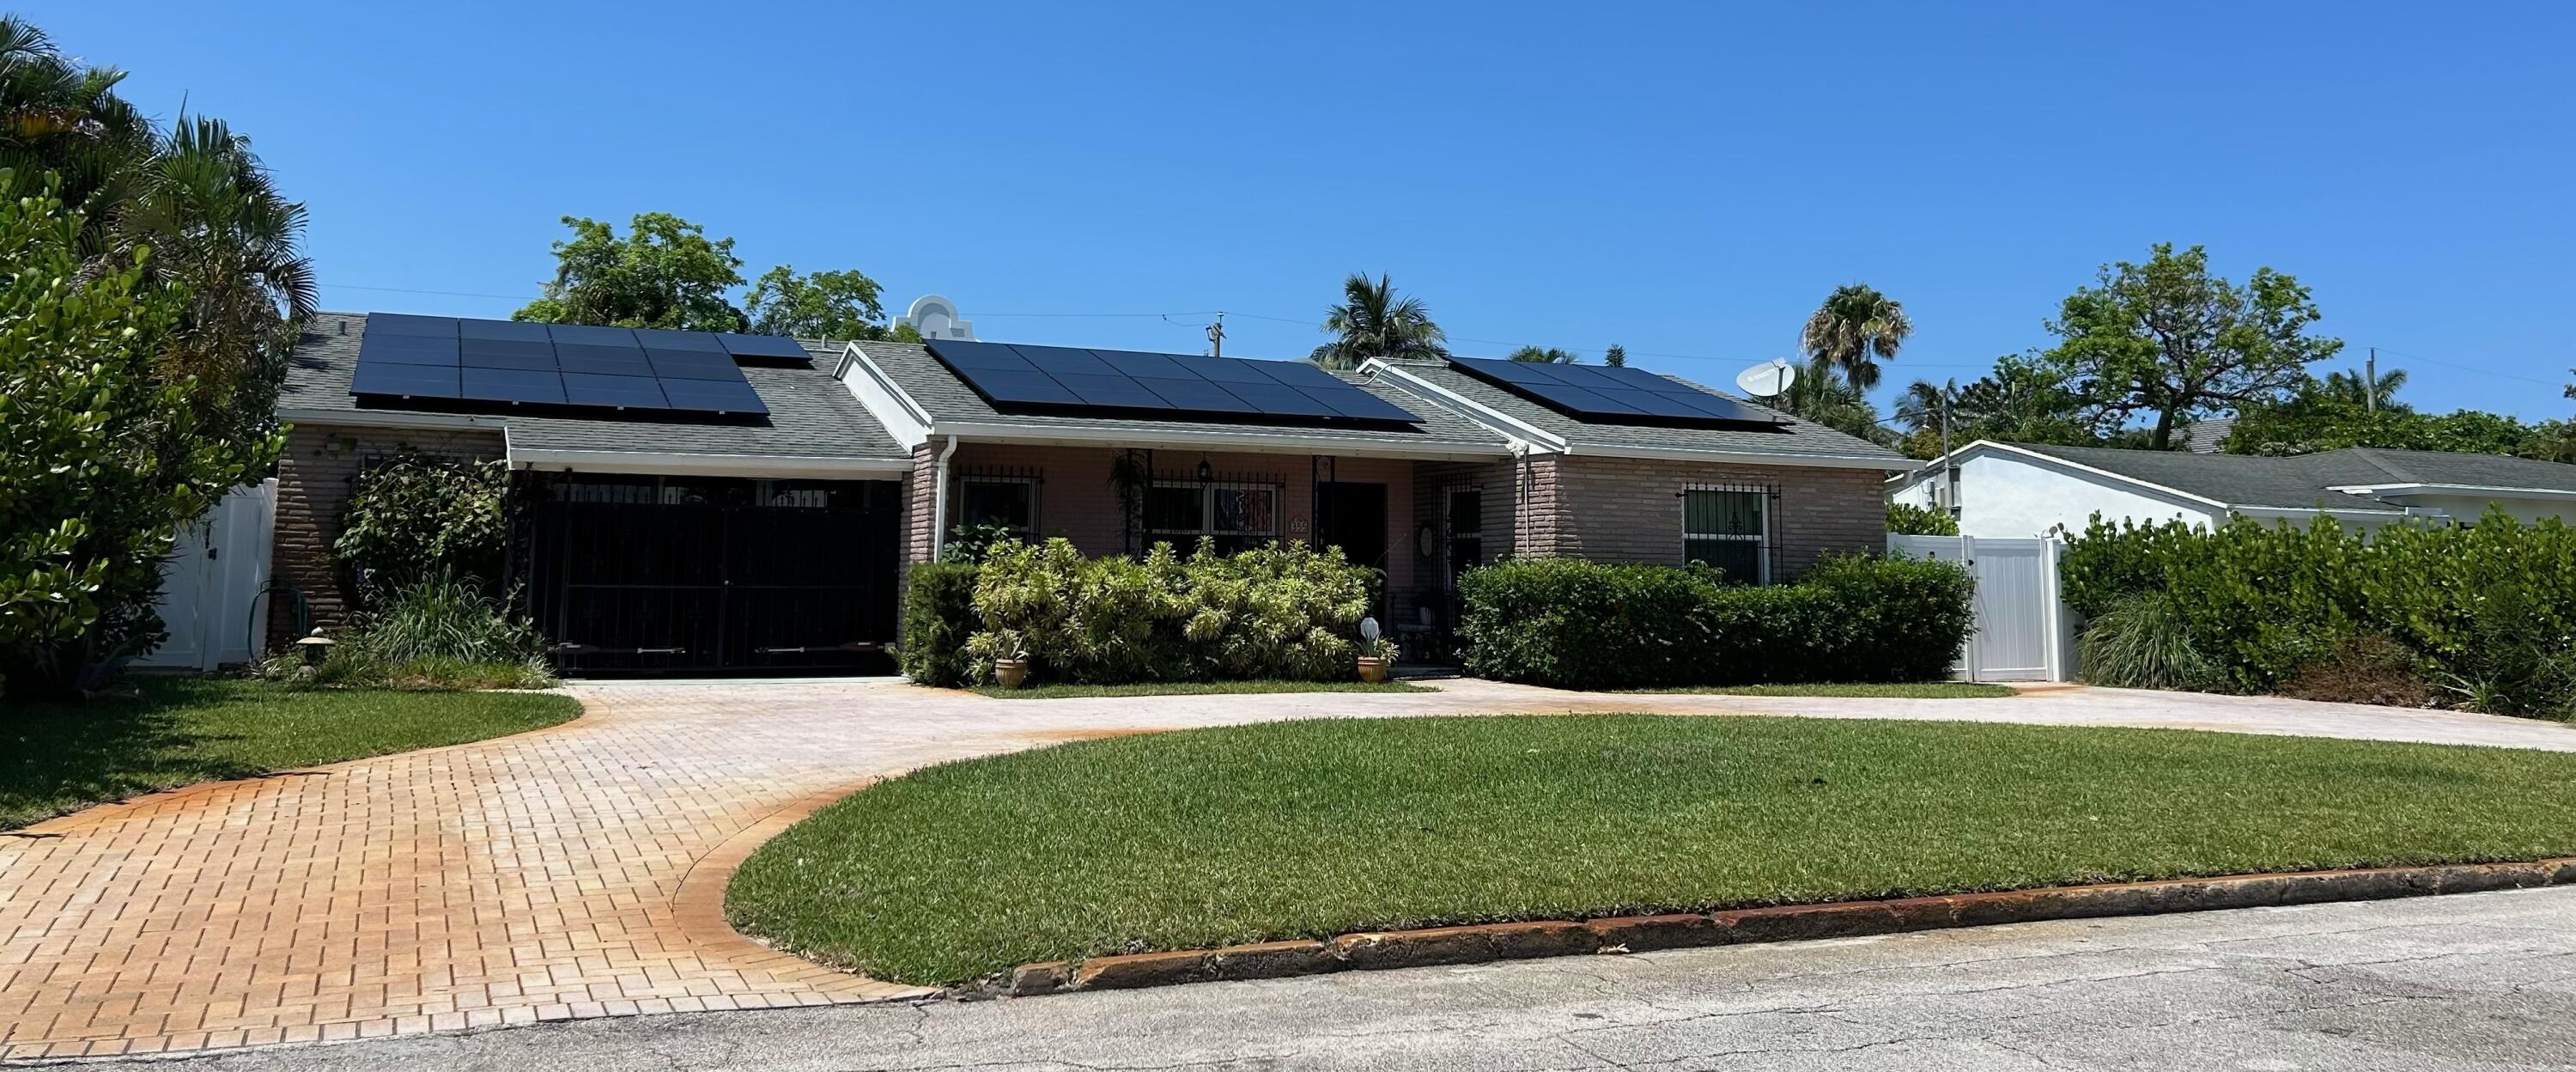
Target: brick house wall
x,y
1630,509
315,475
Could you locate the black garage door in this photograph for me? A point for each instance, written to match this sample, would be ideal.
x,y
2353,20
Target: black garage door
x,y
631,575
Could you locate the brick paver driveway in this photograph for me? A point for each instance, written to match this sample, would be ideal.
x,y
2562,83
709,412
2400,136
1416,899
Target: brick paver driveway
x,y
579,871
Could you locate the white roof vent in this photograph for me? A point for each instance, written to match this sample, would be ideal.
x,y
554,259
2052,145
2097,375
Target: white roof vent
x,y
936,317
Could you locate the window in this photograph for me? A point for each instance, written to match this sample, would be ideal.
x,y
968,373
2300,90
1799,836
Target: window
x,y
1466,531
1725,529
1237,517
1011,502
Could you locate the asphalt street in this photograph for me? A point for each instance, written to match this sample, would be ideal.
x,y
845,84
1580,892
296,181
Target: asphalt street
x,y
2481,981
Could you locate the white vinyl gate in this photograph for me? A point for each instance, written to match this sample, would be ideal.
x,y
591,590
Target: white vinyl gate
x,y
2021,624
217,567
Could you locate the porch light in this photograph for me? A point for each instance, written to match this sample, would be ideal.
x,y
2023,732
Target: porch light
x,y
1206,473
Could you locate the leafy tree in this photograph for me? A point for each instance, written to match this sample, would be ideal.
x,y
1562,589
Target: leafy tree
x,y
57,115
666,273
104,457
1829,401
1856,328
1371,322
824,305
2169,340
2334,413
1544,355
1616,356
2021,401
1909,519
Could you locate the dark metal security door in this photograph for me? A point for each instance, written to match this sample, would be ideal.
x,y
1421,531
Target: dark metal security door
x,y
693,588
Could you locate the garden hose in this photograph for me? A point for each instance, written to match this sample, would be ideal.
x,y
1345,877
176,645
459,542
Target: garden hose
x,y
250,621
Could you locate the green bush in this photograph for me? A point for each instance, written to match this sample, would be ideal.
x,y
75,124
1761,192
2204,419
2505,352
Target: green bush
x,y
417,517
1281,611
433,634
2142,642
1576,624
2488,609
1908,519
938,616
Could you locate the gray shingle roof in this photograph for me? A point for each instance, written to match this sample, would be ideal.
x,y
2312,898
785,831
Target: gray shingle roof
x,y
1797,437
2440,467
2303,482
811,415
946,398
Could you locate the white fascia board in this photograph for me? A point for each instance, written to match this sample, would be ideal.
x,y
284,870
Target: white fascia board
x,y
1748,457
2456,489
746,465
903,418
1539,439
1249,441
360,418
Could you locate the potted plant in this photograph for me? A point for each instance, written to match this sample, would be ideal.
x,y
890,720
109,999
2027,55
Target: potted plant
x,y
1377,657
1011,670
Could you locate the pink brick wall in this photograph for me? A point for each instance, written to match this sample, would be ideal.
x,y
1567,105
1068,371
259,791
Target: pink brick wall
x,y
314,477
1630,510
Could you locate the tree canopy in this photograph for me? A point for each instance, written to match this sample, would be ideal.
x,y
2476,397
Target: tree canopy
x,y
1545,355
1370,321
2168,340
1856,328
824,305
2334,412
1616,356
665,273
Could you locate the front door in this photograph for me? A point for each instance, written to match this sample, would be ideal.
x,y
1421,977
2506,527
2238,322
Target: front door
x,y
1353,518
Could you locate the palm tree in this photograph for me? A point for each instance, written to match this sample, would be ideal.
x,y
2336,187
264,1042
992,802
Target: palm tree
x,y
216,225
1545,355
1856,328
1920,408
1371,322
58,116
2348,389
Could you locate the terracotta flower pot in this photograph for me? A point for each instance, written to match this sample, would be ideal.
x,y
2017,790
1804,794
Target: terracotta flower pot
x,y
1012,673
1375,668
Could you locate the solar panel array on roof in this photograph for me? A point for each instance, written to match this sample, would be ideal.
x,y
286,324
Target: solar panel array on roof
x,y
1616,395
429,357
1061,378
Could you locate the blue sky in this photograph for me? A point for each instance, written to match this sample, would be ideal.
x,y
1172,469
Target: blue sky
x,y
1687,180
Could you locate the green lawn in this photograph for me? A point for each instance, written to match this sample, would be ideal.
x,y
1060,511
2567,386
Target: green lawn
x,y
1923,690
1193,688
1306,829
61,758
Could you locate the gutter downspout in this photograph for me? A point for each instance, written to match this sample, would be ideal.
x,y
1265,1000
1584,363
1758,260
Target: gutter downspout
x,y
939,500
1520,498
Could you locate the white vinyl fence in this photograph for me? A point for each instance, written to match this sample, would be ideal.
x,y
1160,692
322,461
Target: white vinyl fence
x,y
214,577
2023,631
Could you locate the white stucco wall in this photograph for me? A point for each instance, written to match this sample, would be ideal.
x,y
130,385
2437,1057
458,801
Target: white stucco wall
x,y
2005,495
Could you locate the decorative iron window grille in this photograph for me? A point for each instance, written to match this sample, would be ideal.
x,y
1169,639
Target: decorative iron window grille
x,y
1234,511
1728,526
1006,497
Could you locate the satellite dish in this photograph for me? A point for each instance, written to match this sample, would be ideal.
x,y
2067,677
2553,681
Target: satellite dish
x,y
1767,379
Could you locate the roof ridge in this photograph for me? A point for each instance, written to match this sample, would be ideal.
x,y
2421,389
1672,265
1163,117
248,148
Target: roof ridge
x,y
2371,455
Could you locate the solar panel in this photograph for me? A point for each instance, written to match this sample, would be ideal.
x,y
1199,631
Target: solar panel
x,y
772,347
1622,395
1161,386
713,396
420,357
405,381
513,385
626,392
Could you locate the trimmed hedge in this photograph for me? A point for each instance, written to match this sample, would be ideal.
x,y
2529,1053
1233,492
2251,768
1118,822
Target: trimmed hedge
x,y
2489,609
1281,611
1570,623
938,616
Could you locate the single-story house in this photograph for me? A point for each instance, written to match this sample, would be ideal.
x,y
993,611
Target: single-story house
x,y
2021,490
757,513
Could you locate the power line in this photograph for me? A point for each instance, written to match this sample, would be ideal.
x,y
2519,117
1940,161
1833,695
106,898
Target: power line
x,y
441,293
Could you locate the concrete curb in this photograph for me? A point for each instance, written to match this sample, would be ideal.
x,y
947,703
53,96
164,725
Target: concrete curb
x,y
1638,934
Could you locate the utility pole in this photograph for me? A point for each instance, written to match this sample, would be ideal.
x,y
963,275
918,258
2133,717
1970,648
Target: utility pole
x,y
2370,380
1949,469
1216,335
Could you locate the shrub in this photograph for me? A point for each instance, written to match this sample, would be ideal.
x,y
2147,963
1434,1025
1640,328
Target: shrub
x,y
2368,669
2488,610
1283,611
1576,624
435,634
938,616
1908,519
2142,642
418,517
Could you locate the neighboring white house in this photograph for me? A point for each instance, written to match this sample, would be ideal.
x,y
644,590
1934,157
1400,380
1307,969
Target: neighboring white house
x,y
2010,489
